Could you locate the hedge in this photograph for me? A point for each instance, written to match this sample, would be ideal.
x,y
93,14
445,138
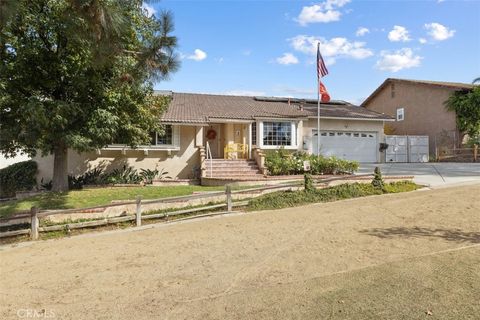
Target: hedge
x,y
281,162
19,176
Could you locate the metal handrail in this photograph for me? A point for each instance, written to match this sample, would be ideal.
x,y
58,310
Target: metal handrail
x,y
209,157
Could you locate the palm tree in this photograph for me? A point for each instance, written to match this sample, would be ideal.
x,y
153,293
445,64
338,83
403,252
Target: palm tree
x,y
475,81
107,23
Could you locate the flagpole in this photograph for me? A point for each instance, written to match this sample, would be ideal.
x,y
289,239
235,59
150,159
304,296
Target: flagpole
x,y
318,106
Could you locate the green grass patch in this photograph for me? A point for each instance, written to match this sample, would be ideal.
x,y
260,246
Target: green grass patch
x,y
99,196
284,199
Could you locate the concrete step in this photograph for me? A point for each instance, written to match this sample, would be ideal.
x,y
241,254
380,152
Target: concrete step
x,y
231,165
231,161
230,169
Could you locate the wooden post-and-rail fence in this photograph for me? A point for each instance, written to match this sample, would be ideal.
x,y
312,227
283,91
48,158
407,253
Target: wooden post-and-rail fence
x,y
35,224
35,213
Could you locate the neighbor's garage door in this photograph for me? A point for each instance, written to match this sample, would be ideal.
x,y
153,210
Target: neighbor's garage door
x,y
349,145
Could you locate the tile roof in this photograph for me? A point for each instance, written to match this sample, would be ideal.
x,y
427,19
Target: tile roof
x,y
345,110
440,84
206,108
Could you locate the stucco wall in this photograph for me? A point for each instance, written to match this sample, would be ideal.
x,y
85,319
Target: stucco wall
x,y
346,125
179,164
425,112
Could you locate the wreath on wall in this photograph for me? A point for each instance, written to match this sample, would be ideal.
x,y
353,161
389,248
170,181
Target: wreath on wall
x,y
211,134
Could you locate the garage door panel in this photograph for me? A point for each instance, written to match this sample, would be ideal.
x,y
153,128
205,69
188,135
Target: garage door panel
x,y
358,146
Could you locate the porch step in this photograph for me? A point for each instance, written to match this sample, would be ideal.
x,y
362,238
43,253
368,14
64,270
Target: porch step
x,y
231,169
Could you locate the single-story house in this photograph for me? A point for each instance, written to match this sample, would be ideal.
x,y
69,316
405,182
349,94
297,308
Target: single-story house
x,y
200,126
419,109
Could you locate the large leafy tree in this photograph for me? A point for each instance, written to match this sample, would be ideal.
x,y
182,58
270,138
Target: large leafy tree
x,y
78,74
466,105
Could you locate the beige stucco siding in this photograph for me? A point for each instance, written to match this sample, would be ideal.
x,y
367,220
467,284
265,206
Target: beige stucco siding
x,y
424,109
179,164
346,125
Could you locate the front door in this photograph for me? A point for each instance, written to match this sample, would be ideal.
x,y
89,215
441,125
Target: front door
x,y
212,136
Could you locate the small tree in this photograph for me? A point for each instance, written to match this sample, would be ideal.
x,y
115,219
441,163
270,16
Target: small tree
x,y
377,181
308,182
78,74
466,105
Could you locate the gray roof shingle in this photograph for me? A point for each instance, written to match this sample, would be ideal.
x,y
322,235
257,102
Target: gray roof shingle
x,y
205,108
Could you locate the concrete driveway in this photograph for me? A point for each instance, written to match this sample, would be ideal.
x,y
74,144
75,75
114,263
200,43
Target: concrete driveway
x,y
432,174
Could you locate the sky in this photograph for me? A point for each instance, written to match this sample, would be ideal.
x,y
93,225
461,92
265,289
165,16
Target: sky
x,y
268,48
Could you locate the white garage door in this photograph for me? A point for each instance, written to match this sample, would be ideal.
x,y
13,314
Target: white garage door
x,y
348,145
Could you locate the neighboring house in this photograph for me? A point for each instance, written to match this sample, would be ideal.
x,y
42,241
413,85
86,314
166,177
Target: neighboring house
x,y
236,127
419,109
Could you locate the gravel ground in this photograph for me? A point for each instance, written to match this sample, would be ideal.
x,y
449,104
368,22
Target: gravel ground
x,y
368,258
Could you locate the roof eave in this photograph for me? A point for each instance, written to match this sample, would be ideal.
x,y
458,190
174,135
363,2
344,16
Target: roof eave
x,y
352,118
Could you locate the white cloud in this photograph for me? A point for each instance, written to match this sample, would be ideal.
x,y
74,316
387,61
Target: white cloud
x,y
422,40
330,49
398,60
286,59
326,11
398,33
438,32
149,9
198,55
247,52
251,93
362,31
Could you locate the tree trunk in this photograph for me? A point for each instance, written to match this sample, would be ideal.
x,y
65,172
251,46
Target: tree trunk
x,y
60,169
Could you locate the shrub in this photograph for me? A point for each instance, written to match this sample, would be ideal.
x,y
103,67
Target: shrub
x,y
308,181
284,199
281,162
377,181
126,175
17,177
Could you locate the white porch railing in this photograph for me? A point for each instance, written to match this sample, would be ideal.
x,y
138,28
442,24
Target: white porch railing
x,y
209,158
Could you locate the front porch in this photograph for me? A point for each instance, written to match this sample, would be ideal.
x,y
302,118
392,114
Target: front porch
x,y
229,140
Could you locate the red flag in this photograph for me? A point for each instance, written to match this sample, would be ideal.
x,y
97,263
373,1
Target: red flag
x,y
324,96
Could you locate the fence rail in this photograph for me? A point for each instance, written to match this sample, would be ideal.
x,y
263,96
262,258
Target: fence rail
x,y
35,214
472,154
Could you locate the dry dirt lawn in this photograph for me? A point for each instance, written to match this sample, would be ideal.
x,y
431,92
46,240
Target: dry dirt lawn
x,y
400,256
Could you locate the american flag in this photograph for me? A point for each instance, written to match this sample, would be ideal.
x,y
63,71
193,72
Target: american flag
x,y
321,67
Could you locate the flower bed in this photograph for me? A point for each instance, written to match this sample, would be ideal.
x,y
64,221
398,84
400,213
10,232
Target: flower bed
x,y
282,162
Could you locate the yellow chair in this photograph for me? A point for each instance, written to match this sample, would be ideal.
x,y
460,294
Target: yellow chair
x,y
235,151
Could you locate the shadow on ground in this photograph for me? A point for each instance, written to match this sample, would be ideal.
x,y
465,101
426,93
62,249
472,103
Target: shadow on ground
x,y
455,235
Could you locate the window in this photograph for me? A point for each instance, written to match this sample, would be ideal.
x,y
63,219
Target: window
x,y
277,134
169,140
163,139
392,90
400,114
254,133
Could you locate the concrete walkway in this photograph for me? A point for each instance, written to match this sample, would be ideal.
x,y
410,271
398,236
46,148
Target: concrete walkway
x,y
432,174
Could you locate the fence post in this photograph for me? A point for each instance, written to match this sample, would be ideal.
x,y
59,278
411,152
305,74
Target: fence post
x,y
228,192
138,213
475,152
34,225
